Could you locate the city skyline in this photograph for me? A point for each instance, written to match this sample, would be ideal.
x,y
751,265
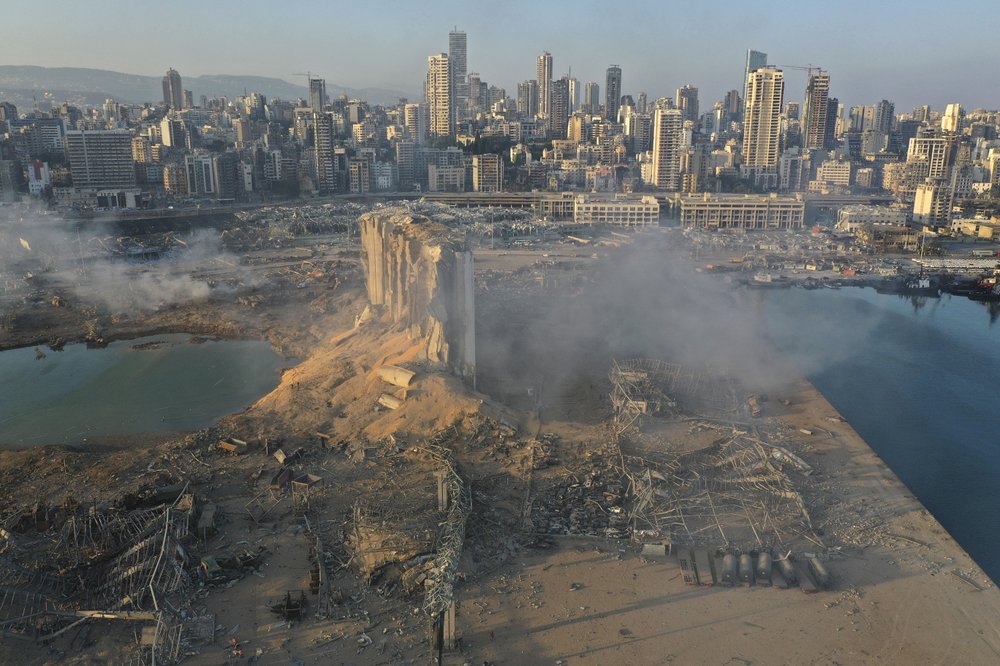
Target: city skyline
x,y
670,49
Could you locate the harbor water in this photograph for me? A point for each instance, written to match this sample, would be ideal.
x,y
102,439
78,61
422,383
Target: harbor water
x,y
165,383
916,377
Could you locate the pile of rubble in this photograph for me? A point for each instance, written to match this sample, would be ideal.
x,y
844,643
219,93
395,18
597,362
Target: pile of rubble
x,y
592,501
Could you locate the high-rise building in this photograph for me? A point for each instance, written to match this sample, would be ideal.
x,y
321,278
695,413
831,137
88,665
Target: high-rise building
x,y
173,93
755,60
226,173
317,95
457,59
141,152
858,116
832,116
951,121
100,159
527,98
574,94
885,115
592,97
934,153
487,173
10,180
173,132
817,105
7,111
638,127
578,128
188,99
687,102
612,92
440,95
324,160
641,103
543,75
668,125
732,104
413,123
112,113
560,108
474,101
762,117
932,203
200,172
406,163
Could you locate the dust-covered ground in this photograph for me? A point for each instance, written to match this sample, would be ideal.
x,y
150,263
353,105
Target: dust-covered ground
x,y
335,496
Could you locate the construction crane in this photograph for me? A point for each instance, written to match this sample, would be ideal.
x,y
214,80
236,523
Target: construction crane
x,y
806,68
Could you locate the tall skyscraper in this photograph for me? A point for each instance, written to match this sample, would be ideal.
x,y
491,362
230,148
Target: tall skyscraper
x,y
560,108
317,95
668,125
324,160
612,92
762,117
832,116
527,98
687,102
440,95
755,60
543,75
592,97
817,106
457,58
574,94
173,93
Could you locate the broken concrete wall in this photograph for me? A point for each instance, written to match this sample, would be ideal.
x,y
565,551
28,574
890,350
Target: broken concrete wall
x,y
420,272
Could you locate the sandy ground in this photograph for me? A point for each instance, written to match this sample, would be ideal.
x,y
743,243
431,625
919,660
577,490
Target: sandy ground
x,y
918,599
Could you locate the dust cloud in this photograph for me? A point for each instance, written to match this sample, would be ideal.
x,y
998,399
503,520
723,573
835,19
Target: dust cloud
x,y
104,269
644,300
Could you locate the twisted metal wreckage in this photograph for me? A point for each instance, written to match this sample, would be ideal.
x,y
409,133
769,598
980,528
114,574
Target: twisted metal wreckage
x,y
102,563
733,494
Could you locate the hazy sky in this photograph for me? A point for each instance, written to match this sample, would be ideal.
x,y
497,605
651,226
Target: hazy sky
x,y
916,51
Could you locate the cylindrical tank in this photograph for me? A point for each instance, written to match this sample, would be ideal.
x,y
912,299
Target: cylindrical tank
x,y
788,571
729,569
820,573
764,568
746,569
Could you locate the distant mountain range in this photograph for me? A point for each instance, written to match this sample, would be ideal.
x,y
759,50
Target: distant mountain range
x,y
20,83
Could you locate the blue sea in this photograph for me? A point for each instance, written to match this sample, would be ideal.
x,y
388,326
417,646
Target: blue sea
x,y
917,377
